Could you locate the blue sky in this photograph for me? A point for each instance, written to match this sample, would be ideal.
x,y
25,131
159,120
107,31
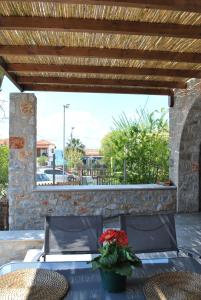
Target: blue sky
x,y
90,114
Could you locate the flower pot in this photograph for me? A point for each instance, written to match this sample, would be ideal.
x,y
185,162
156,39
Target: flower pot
x,y
113,282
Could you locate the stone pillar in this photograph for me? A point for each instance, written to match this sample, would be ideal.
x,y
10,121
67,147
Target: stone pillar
x,y
22,163
185,140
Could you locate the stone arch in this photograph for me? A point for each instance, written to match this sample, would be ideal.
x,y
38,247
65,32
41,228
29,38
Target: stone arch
x,y
189,158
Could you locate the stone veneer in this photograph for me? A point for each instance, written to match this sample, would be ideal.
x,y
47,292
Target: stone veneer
x,y
185,140
22,161
29,204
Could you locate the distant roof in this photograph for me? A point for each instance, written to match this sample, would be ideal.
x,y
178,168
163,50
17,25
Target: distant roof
x,y
4,142
44,143
92,152
40,143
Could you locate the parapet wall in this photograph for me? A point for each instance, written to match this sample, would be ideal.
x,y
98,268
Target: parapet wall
x,y
29,204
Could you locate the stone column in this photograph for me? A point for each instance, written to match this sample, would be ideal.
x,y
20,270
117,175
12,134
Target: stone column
x,y
22,163
185,140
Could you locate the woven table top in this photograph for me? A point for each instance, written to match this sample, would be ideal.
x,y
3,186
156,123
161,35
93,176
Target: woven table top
x,y
173,286
33,284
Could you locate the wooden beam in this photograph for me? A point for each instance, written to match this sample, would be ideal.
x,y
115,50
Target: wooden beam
x,y
174,5
115,53
102,26
93,89
98,81
38,68
12,77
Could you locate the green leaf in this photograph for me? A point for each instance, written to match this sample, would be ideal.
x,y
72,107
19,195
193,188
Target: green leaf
x,y
143,143
124,270
109,259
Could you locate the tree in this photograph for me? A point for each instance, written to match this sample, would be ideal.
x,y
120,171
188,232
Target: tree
x,y
42,160
74,153
75,144
4,153
140,146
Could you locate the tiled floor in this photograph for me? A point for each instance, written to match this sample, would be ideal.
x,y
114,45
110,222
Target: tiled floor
x,y
188,228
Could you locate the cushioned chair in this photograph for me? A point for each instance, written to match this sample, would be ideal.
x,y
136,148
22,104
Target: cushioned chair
x,y
72,234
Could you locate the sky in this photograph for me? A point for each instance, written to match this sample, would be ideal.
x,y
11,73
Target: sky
x,y
89,116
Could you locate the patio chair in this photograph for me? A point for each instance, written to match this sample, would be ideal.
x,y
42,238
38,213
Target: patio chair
x,y
152,233
72,234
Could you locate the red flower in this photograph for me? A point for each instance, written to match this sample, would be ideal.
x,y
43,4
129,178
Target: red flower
x,y
108,236
121,238
114,236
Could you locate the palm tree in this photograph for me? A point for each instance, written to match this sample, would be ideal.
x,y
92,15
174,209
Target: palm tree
x,y
75,144
74,152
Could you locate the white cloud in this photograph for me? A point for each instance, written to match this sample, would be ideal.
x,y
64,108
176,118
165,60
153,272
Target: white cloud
x,y
86,127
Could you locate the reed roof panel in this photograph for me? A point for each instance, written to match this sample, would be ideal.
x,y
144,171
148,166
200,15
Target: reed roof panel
x,y
99,40
57,60
43,9
99,76
60,37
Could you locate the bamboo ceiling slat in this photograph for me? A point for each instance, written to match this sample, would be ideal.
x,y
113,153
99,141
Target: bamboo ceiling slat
x,y
99,53
100,62
43,9
101,76
88,61
74,39
100,26
50,68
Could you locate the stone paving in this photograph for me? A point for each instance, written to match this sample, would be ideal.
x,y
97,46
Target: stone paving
x,y
188,228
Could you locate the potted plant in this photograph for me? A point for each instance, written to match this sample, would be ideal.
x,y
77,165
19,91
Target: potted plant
x,y
115,261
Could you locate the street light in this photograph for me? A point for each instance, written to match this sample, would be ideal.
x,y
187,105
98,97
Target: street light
x,y
71,139
64,135
71,136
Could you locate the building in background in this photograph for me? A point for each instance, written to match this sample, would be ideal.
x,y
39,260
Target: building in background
x,y
4,142
45,148
91,157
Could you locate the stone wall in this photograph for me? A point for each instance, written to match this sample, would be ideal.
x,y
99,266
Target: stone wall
x,y
92,202
28,204
185,140
22,161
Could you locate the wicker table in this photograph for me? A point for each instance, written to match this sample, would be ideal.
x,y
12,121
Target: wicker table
x,y
85,284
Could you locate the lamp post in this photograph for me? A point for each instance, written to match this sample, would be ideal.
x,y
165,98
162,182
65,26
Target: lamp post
x,y
71,139
71,135
64,135
125,154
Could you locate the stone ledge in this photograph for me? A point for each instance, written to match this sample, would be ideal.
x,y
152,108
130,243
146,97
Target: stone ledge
x,y
21,235
125,187
15,244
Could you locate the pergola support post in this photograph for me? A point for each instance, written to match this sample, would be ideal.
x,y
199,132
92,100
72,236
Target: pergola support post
x,y
185,141
22,162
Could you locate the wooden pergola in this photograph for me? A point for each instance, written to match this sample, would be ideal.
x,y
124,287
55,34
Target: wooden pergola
x,y
111,46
